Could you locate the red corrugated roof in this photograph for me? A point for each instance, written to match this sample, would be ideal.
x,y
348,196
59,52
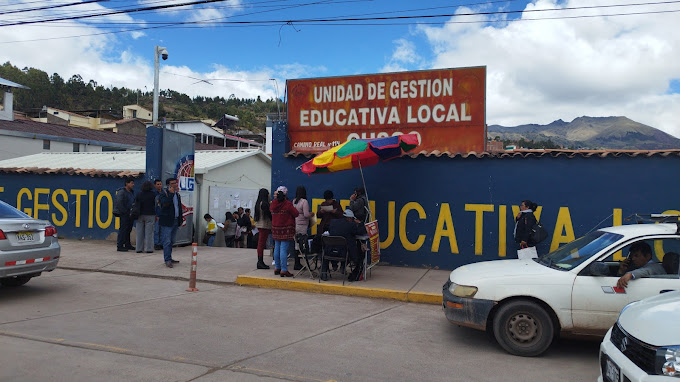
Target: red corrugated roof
x,y
529,153
71,171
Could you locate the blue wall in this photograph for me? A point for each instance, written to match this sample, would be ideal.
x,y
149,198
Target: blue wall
x,y
422,201
79,206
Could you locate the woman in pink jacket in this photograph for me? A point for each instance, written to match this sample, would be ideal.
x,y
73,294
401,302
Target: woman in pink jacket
x,y
283,230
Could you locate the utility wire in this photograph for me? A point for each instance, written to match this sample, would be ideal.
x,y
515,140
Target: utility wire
x,y
113,12
50,7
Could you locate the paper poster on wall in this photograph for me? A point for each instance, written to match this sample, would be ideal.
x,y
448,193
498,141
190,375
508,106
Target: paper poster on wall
x,y
216,203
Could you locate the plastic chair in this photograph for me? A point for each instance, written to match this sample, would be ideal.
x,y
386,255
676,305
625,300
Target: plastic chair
x,y
310,263
334,249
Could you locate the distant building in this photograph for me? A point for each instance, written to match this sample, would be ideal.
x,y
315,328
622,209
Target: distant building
x,y
136,111
494,146
207,134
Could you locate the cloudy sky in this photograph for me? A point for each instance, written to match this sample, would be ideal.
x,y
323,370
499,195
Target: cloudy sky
x,y
546,60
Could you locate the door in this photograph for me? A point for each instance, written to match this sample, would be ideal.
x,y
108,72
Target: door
x,y
596,301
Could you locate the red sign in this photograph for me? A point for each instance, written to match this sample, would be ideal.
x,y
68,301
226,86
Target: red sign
x,y
445,107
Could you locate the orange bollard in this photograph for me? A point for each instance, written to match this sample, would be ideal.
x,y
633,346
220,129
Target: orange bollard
x,y
192,275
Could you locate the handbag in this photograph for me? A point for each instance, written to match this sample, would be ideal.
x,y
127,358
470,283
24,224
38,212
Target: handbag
x,y
312,221
206,238
135,211
527,253
538,233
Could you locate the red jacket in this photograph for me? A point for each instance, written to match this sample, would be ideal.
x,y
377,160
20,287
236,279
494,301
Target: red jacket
x,y
283,219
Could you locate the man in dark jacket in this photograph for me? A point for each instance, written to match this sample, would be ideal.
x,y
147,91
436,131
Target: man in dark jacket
x,y
169,219
349,227
124,199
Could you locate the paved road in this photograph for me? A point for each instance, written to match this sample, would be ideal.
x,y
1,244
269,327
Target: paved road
x,y
88,326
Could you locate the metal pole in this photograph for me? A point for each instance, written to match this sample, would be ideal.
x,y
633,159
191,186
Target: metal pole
x,y
361,170
155,85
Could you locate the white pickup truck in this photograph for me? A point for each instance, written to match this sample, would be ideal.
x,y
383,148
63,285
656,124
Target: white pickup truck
x,y
528,303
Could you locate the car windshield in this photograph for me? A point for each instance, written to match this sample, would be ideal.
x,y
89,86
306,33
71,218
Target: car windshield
x,y
579,250
7,211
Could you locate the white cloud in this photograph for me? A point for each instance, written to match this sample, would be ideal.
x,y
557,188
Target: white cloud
x,y
404,55
540,71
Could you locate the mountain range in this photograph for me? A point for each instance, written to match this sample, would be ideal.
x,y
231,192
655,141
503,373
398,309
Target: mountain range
x,y
614,133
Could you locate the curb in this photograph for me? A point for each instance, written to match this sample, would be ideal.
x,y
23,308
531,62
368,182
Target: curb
x,y
346,290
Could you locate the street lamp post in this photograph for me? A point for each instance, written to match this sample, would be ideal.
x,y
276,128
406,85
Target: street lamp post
x,y
278,108
159,51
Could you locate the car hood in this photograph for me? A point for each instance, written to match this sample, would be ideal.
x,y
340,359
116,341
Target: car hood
x,y
653,320
470,274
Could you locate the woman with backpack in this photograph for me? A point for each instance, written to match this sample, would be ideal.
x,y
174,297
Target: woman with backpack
x,y
229,229
146,201
524,222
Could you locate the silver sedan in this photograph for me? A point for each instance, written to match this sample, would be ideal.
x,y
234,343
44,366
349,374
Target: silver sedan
x,y
28,246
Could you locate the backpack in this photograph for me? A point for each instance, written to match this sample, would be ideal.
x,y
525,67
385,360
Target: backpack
x,y
538,233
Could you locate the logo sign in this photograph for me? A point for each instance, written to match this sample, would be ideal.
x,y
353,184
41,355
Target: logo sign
x,y
624,344
445,107
185,173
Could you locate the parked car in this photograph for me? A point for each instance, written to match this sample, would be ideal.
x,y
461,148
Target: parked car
x,y
644,344
28,247
572,290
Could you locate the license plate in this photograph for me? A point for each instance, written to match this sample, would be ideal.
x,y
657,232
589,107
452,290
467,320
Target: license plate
x,y
612,371
25,237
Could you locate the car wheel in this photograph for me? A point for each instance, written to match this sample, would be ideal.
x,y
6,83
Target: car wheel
x,y
523,328
14,281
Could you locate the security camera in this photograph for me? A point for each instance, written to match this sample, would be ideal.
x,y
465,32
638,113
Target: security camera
x,y
164,54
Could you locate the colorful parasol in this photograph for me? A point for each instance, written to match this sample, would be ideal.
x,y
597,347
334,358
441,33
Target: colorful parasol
x,y
358,153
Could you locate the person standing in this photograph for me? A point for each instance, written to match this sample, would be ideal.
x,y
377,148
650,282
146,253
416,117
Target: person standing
x,y
158,188
358,203
210,229
302,220
283,230
170,219
246,228
124,198
263,222
524,221
146,200
229,229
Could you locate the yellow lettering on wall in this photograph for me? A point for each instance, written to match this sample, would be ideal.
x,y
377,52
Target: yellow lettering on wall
x,y
402,226
22,192
537,213
344,203
90,215
109,214
37,206
445,219
78,194
390,226
563,224
2,189
315,208
502,228
658,244
617,217
59,207
479,210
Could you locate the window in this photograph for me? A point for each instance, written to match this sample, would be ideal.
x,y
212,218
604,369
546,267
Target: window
x,y
76,147
46,144
134,113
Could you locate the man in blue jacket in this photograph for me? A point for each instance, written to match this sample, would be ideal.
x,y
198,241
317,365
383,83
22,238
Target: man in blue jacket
x,y
124,198
169,219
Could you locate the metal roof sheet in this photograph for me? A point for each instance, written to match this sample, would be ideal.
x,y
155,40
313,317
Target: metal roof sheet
x,y
116,162
4,82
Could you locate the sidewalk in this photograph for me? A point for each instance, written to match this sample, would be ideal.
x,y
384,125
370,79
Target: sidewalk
x,y
237,266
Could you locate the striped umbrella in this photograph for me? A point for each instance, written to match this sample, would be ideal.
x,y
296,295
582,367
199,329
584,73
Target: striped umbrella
x,y
358,153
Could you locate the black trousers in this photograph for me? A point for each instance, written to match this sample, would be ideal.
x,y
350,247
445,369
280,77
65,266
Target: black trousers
x,y
124,232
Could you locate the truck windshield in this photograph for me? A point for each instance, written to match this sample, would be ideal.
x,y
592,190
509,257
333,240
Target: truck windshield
x,y
579,250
